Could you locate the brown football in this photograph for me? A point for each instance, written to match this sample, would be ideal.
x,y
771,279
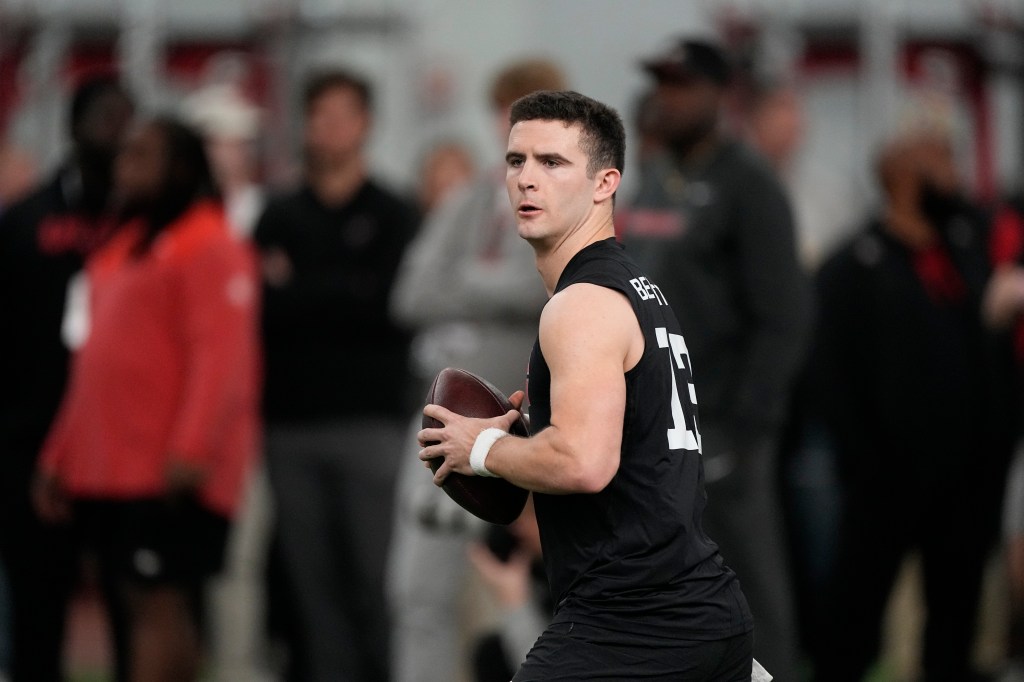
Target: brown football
x,y
492,499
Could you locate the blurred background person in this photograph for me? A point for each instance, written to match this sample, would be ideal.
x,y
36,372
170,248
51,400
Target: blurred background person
x,y
1003,304
825,205
775,122
772,119
17,177
648,141
468,286
18,173
508,561
44,240
916,395
712,225
148,453
230,125
446,165
337,382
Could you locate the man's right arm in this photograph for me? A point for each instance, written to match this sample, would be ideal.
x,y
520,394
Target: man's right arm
x,y
590,337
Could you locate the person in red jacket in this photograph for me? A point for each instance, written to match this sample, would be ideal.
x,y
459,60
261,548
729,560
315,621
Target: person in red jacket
x,y
149,449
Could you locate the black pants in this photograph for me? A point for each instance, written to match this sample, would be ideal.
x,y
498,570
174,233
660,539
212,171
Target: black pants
x,y
333,486
42,570
491,661
574,651
744,518
953,528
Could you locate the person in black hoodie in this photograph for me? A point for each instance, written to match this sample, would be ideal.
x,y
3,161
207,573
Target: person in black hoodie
x,y
913,390
44,239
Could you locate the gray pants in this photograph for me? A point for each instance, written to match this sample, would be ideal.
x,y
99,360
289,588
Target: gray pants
x,y
236,598
427,570
744,517
333,485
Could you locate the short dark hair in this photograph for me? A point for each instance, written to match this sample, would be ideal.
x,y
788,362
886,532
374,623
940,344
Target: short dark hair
x,y
603,137
319,83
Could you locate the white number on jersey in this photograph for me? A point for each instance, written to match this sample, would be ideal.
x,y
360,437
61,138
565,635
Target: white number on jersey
x,y
681,436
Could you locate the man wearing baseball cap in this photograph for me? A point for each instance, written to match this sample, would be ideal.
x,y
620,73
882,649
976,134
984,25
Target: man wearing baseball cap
x,y
690,59
712,225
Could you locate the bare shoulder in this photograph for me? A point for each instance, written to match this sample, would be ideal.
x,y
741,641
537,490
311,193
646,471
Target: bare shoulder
x,y
584,319
586,304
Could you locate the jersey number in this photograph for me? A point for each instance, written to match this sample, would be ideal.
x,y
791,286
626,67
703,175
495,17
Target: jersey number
x,y
684,434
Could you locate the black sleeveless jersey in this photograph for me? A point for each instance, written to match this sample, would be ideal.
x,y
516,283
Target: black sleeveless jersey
x,y
634,557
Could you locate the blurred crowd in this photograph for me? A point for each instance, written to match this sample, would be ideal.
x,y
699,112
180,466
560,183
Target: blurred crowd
x,y
211,387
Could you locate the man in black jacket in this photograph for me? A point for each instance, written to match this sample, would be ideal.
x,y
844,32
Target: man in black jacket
x,y
44,240
712,225
915,393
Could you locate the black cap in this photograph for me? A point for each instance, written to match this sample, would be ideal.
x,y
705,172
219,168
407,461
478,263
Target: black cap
x,y
689,58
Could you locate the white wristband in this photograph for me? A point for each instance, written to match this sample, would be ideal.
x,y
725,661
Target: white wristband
x,y
481,446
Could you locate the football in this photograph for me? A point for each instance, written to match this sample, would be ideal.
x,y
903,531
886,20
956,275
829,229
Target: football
x,y
491,499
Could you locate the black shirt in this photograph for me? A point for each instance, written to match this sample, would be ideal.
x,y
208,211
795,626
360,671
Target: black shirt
x,y
634,556
331,348
44,240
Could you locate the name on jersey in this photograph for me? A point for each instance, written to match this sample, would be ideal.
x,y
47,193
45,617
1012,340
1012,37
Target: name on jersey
x,y
647,290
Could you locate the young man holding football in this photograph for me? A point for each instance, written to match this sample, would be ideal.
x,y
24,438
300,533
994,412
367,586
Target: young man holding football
x,y
615,462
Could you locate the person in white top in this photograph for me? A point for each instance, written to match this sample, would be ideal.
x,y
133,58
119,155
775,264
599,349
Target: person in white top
x,y
230,124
